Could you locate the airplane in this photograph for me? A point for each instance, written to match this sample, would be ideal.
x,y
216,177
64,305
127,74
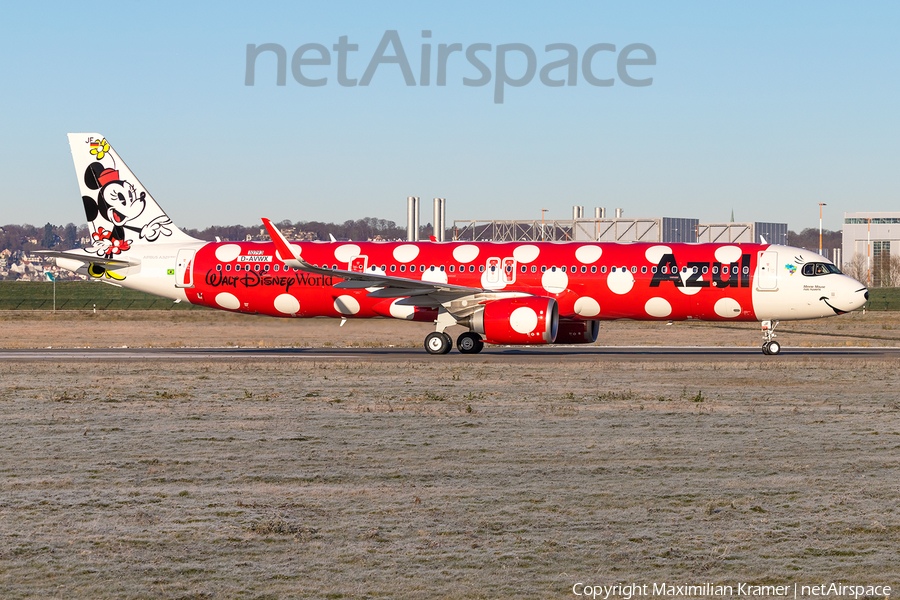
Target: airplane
x,y
509,293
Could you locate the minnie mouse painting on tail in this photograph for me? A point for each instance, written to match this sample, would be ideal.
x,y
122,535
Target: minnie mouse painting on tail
x,y
115,203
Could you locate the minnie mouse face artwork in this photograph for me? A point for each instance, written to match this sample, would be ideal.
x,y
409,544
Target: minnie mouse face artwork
x,y
118,201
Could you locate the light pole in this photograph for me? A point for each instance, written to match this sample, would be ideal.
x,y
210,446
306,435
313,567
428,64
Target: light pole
x,y
821,204
543,210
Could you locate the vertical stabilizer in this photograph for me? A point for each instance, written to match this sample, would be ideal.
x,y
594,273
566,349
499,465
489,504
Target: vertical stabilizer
x,y
120,211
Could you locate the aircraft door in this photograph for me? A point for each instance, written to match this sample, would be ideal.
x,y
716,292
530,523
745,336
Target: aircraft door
x,y
766,273
184,272
358,263
509,270
493,270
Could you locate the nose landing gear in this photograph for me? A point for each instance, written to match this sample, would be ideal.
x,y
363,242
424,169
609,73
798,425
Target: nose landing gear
x,y
770,347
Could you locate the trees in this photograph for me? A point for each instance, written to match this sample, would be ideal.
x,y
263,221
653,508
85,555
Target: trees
x,y
857,267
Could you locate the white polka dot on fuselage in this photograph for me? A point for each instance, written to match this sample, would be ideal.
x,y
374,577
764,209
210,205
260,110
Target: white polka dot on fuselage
x,y
346,305
526,253
658,307
587,307
229,301
554,282
287,304
227,252
346,252
620,282
728,254
465,253
588,254
727,308
654,254
406,253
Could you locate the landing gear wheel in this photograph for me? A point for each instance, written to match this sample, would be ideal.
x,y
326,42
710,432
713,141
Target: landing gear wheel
x,y
469,343
438,343
772,348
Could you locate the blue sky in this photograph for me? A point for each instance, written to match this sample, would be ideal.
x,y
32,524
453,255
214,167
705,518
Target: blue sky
x,y
765,108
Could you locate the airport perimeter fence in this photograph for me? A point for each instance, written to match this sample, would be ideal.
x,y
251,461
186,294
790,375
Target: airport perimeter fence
x,y
80,295
88,295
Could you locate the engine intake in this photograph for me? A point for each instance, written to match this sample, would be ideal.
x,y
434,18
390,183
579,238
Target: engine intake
x,y
528,320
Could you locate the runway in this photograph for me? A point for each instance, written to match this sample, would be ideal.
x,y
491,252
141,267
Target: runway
x,y
497,354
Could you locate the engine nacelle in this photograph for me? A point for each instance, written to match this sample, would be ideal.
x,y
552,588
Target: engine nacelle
x,y
527,320
577,332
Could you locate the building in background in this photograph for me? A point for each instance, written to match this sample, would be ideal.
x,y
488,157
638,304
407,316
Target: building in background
x,y
871,247
667,230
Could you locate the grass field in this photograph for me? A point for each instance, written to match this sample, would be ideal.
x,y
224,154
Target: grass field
x,y
77,295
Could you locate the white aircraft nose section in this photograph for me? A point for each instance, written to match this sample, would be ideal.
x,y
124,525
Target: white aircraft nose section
x,y
846,295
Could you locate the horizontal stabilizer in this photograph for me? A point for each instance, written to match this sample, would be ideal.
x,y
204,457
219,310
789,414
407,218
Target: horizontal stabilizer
x,y
90,258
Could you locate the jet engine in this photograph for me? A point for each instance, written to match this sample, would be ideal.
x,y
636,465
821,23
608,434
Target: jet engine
x,y
526,320
577,332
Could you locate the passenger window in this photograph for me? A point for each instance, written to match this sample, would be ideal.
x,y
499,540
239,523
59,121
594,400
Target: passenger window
x,y
705,270
603,269
653,269
746,270
256,267
553,269
481,269
524,269
584,269
266,268
393,268
734,269
442,268
227,267
613,269
452,268
634,269
472,268
534,268
403,268
594,269
715,270
218,267
643,269
543,268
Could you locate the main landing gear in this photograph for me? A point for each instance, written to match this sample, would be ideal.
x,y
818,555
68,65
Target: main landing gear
x,y
438,342
770,346
469,343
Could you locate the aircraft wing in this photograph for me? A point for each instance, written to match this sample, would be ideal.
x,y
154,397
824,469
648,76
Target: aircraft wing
x,y
388,287
90,258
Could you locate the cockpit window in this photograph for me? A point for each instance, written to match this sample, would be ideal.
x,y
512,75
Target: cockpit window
x,y
815,269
